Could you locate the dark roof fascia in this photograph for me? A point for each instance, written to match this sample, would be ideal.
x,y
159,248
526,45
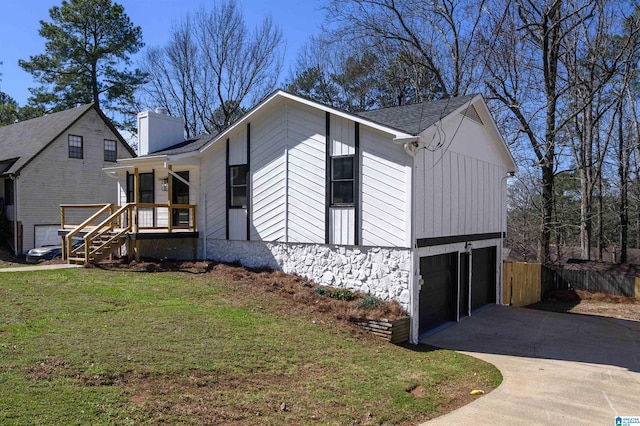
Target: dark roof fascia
x,y
17,172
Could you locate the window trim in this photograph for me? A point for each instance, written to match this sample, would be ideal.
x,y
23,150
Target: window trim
x,y
130,197
232,186
114,157
75,148
332,180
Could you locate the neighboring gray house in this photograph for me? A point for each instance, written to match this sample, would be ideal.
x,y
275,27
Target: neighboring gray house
x,y
53,160
405,203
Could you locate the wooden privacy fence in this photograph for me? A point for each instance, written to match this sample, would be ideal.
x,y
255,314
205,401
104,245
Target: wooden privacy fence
x,y
522,283
526,283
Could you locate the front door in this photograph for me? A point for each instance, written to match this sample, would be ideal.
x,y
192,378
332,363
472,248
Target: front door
x,y
180,195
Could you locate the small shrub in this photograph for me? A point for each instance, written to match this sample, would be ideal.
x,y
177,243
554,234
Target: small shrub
x,y
341,294
369,302
321,291
335,293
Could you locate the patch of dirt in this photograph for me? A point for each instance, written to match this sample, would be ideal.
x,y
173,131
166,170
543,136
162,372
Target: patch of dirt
x,y
418,391
584,302
7,259
263,281
50,368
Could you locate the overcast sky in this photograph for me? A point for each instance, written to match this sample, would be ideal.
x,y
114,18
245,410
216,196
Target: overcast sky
x,y
20,22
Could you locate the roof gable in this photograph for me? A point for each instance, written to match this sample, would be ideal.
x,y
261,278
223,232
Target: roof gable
x,y
23,141
402,122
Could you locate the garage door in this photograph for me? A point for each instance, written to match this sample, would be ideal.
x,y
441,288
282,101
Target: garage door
x,y
47,235
483,277
438,299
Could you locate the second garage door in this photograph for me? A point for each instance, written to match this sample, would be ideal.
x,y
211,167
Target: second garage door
x,y
438,293
483,277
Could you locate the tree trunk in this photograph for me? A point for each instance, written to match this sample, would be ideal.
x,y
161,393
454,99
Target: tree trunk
x,y
623,160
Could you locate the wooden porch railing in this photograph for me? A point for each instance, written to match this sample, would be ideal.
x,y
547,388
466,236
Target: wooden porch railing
x,y
115,223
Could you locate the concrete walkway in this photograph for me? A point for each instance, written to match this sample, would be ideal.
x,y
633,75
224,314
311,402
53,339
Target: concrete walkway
x,y
557,368
39,267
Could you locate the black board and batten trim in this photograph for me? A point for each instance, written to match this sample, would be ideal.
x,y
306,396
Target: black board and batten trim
x,y
437,241
228,189
356,189
327,202
248,181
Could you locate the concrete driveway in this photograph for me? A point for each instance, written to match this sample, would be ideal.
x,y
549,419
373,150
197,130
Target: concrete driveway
x,y
557,368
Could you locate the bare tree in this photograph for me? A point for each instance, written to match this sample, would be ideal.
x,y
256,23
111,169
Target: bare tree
x,y
214,66
529,75
434,35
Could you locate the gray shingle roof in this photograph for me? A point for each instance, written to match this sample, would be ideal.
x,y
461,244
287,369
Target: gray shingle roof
x,y
23,140
415,118
410,119
188,145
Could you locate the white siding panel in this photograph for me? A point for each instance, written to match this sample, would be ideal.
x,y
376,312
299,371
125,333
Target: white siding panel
x,y
238,146
238,224
458,189
342,225
342,135
384,190
268,169
213,185
306,174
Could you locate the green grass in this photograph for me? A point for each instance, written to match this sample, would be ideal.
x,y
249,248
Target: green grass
x,y
88,346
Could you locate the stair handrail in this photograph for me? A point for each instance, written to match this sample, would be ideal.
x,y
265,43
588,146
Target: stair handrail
x,y
108,221
69,236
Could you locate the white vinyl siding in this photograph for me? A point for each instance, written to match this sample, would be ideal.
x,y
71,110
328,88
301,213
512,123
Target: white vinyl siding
x,y
289,187
386,169
306,174
342,132
342,218
268,134
238,156
343,225
237,224
470,170
41,188
213,186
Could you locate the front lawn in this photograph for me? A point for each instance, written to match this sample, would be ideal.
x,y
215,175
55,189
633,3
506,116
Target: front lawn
x,y
91,346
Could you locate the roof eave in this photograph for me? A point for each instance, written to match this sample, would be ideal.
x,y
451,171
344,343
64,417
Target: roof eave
x,y
281,93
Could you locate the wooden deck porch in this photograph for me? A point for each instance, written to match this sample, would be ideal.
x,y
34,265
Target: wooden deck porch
x,y
107,229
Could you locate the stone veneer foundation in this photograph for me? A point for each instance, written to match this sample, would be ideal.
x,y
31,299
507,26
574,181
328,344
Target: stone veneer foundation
x,y
381,272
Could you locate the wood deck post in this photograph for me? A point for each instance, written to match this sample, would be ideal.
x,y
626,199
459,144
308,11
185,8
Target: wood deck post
x,y
170,197
136,197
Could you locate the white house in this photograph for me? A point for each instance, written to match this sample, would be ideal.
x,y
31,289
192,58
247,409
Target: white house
x,y
405,203
54,159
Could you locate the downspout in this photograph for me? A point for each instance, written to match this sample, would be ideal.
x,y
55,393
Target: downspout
x,y
412,273
204,237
